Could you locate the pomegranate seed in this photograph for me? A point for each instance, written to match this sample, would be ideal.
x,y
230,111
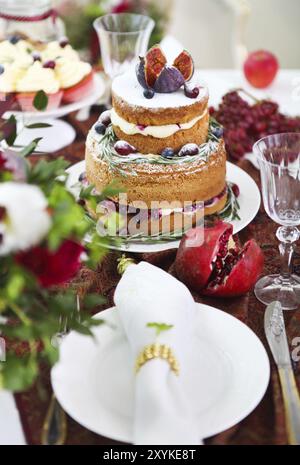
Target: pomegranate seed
x,y
219,264
229,259
233,252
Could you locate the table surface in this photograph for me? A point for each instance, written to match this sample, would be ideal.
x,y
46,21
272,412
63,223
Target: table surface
x,y
286,91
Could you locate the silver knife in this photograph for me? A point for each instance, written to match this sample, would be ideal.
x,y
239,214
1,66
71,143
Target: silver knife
x,y
277,339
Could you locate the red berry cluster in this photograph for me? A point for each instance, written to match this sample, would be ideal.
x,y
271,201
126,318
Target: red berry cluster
x,y
244,124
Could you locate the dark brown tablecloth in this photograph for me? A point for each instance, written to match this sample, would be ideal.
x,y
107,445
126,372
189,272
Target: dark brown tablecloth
x,y
266,425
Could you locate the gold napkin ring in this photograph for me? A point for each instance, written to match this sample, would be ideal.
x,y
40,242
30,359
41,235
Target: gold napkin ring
x,y
153,351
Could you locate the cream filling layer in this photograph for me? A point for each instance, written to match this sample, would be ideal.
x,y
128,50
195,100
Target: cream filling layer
x,y
159,132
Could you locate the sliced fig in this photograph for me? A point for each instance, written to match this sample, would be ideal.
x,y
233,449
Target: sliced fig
x,y
140,73
155,61
185,64
169,80
218,266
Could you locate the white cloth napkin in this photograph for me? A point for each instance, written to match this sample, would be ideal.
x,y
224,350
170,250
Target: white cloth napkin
x,y
147,294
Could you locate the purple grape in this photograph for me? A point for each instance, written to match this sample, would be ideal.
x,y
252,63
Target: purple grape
x,y
189,150
191,92
105,118
236,190
123,148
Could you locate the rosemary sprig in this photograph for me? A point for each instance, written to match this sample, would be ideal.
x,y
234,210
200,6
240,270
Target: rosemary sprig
x,y
230,211
124,165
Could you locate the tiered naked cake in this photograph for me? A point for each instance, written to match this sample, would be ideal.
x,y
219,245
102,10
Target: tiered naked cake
x,y
159,141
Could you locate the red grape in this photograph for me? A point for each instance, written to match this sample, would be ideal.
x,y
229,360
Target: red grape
x,y
244,124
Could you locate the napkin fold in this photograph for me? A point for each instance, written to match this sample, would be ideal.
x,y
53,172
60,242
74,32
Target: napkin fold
x,y
162,412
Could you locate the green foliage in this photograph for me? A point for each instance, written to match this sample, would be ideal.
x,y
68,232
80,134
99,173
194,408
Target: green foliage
x,y
40,101
31,315
30,148
159,327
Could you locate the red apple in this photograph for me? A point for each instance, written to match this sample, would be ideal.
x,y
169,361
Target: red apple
x,y
261,68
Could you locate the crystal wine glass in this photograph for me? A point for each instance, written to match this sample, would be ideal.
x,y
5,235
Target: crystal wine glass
x,y
123,38
279,161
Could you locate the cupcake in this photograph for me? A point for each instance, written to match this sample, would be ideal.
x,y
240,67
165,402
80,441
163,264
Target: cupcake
x,y
76,79
38,77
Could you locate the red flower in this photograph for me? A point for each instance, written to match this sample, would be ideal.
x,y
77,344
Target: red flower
x,y
52,268
2,161
122,7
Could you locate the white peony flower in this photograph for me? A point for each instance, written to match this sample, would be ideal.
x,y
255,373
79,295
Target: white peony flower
x,y
24,220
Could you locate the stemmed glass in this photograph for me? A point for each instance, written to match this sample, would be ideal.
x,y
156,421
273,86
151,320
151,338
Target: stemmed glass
x,y
279,161
123,38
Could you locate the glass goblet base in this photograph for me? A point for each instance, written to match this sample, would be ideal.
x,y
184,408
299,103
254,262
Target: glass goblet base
x,y
275,287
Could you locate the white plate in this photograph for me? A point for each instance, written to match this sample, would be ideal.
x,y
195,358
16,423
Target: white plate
x,y
56,137
249,201
225,378
63,110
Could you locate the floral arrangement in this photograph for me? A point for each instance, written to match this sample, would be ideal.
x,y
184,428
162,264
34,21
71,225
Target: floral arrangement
x,y
79,16
42,247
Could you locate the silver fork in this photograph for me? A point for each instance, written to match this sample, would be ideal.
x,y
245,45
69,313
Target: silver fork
x,y
54,430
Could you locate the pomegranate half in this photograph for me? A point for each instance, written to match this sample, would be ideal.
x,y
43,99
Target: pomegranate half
x,y
218,266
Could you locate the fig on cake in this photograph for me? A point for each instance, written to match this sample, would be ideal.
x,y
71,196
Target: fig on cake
x,y
154,74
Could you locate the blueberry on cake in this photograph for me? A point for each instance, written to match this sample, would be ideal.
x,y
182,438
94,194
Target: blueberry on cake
x,y
159,141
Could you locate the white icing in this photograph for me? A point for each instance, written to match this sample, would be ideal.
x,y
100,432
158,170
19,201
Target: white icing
x,y
70,72
9,78
160,132
53,50
128,89
38,78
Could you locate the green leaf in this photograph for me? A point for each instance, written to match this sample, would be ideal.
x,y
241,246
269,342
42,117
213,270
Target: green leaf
x,y
159,327
15,286
93,300
18,373
38,126
10,130
50,352
45,173
86,192
40,100
30,147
